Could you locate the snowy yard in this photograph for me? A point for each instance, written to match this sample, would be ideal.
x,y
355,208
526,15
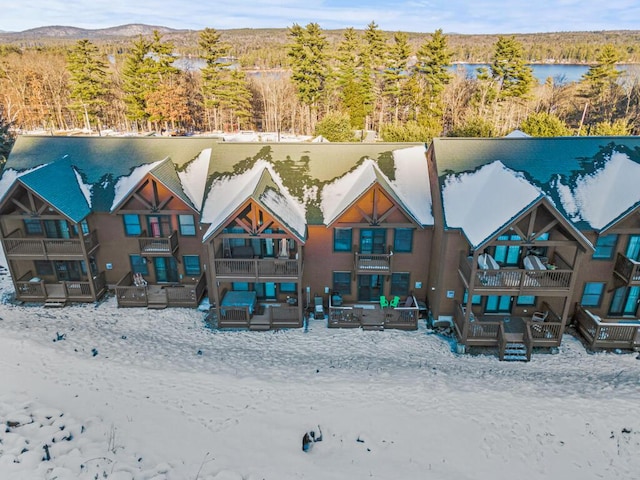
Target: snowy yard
x,y
128,394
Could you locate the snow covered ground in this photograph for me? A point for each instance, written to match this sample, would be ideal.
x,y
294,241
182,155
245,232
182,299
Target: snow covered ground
x,y
94,392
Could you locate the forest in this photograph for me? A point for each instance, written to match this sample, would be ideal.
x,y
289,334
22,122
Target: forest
x,y
306,80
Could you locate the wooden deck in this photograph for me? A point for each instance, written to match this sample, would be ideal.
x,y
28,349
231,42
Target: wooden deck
x,y
30,289
370,316
157,295
607,333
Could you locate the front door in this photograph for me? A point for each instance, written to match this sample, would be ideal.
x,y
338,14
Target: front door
x,y
166,269
369,287
498,304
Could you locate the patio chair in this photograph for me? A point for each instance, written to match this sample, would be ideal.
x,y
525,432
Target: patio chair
x,y
384,303
539,316
394,302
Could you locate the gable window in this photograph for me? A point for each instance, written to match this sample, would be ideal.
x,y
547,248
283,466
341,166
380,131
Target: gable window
x,y
131,225
403,240
138,264
372,240
33,227
342,239
605,246
187,225
507,255
592,294
399,284
342,282
191,265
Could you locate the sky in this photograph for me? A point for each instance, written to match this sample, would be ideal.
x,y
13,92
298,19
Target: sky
x,y
452,16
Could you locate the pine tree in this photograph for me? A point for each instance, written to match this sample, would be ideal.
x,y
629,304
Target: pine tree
x,y
148,65
309,65
514,77
352,81
374,62
600,84
544,124
395,74
88,82
213,51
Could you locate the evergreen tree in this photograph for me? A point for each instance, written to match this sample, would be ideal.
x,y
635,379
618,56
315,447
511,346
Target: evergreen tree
x,y
336,127
600,84
148,64
395,74
432,70
88,82
309,65
544,124
213,51
352,81
373,67
411,131
514,77
6,137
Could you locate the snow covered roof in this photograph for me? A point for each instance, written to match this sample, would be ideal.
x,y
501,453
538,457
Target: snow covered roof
x,y
475,201
592,181
260,183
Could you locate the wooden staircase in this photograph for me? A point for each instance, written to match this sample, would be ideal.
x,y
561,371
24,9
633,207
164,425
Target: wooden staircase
x,y
513,347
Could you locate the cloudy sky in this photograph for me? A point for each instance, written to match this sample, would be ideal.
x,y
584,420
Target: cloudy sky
x,y
471,16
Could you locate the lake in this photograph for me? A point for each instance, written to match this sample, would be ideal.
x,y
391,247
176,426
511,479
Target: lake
x,y
561,73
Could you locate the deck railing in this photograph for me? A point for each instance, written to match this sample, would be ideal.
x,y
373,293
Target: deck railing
x,y
605,335
158,245
17,246
63,290
257,268
515,278
373,262
184,295
627,269
233,317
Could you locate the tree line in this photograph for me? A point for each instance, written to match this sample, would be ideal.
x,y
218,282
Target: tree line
x,y
315,82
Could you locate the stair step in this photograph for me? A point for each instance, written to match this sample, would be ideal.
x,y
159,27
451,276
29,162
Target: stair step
x,y
55,303
515,358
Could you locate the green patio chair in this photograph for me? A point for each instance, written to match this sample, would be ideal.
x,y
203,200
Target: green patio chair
x,y
395,302
383,301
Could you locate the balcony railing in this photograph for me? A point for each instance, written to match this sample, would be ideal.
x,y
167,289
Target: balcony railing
x,y
29,288
159,296
515,279
16,246
615,333
158,246
257,269
373,263
628,270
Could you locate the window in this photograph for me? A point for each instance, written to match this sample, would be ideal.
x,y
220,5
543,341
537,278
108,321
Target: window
x,y
592,294
191,264
43,267
131,225
342,239
138,264
288,287
508,255
342,282
240,286
526,300
187,225
605,246
399,284
33,227
633,248
475,299
403,240
372,240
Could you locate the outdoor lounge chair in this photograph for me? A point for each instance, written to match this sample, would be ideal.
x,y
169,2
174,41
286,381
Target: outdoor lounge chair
x,y
539,316
487,262
533,262
383,301
394,302
318,308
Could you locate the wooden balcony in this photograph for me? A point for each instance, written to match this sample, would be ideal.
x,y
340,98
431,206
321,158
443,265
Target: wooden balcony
x,y
627,270
32,289
607,333
373,263
516,281
159,296
373,317
272,316
490,330
158,246
17,247
258,269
